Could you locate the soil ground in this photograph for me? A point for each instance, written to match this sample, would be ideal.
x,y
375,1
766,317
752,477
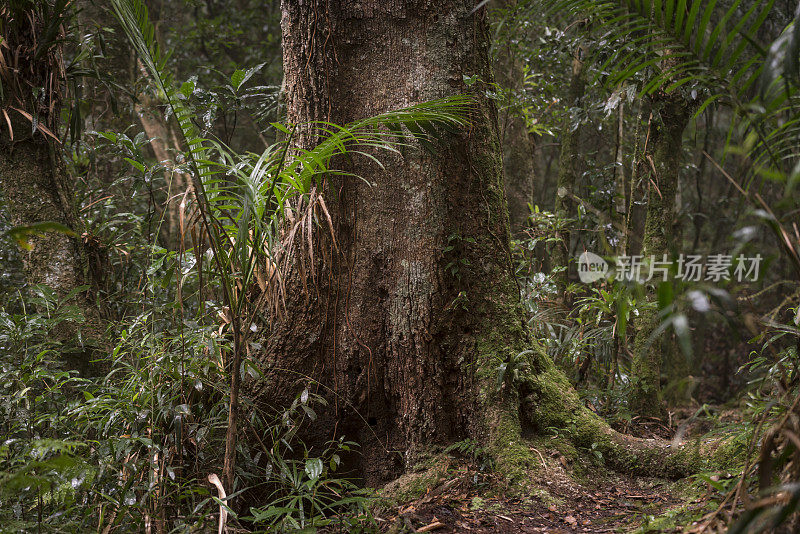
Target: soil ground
x,y
559,501
558,505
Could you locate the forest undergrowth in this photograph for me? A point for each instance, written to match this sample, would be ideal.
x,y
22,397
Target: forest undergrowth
x,y
663,133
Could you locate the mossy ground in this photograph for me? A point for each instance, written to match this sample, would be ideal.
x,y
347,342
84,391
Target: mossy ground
x,y
560,483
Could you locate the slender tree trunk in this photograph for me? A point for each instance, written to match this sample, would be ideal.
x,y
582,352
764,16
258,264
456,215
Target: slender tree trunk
x,y
176,183
407,349
567,173
619,207
518,145
664,161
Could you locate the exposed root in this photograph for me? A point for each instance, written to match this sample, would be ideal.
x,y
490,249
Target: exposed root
x,y
549,403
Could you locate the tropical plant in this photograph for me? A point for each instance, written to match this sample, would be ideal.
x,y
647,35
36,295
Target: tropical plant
x,y
242,200
304,491
672,44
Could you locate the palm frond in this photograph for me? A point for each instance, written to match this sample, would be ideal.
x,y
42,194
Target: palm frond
x,y
665,45
242,199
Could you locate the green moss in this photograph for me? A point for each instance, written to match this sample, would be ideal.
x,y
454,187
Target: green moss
x,y
515,461
645,397
550,404
545,497
500,343
694,506
478,503
414,485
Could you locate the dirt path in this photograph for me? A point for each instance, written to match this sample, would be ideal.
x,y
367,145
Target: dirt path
x,y
558,502
559,505
560,499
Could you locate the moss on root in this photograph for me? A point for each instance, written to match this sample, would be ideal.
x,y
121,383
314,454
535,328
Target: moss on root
x,y
548,402
539,397
543,402
415,484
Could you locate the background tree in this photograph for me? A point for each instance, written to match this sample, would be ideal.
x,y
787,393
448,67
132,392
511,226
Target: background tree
x,y
35,186
519,148
664,160
568,169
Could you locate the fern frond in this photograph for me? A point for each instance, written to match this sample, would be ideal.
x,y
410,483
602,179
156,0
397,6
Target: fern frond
x,y
135,21
669,44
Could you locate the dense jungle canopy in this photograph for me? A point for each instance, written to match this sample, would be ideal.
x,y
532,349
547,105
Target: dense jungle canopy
x,y
399,266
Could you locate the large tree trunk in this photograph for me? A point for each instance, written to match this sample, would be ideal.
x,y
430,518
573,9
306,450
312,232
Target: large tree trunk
x,y
403,330
414,310
665,160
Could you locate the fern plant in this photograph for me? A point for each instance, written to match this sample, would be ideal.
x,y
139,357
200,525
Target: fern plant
x,y
666,45
242,199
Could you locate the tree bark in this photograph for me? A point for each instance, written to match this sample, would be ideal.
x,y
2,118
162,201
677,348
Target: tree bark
x,y
36,190
33,180
403,331
664,161
415,309
619,207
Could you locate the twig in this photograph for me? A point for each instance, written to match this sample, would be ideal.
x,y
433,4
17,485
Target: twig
x,y
223,513
433,526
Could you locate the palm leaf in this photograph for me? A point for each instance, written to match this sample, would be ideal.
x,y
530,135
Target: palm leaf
x,y
242,198
704,49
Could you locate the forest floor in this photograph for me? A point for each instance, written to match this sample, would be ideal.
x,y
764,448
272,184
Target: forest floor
x,y
565,496
615,505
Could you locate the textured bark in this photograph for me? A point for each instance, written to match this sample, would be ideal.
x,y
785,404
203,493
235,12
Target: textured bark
x,y
665,161
401,337
406,348
520,166
33,181
36,189
568,173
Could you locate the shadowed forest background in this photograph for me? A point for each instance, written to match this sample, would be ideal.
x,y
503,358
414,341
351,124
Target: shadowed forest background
x,y
399,266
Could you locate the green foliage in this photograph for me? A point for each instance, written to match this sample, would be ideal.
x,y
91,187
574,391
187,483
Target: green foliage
x,y
75,445
305,494
243,199
777,359
134,445
694,45
510,371
41,468
137,442
709,52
